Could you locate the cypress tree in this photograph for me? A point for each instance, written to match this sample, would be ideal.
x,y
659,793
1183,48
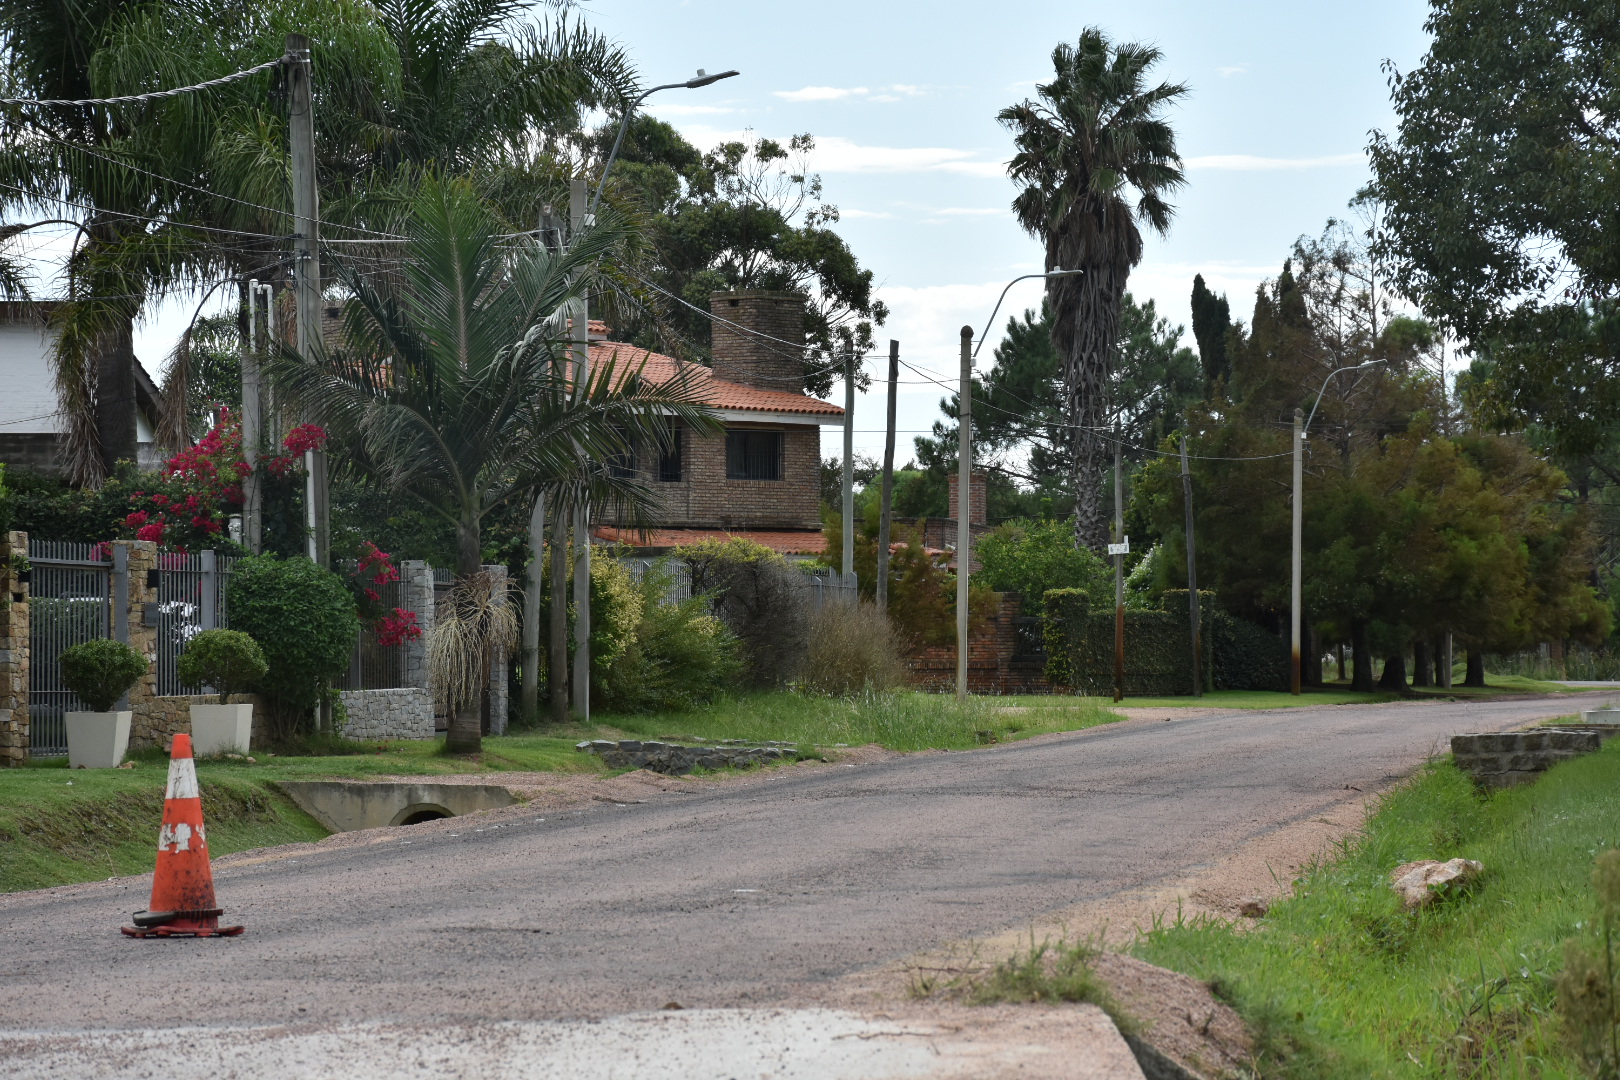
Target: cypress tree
x,y
1211,318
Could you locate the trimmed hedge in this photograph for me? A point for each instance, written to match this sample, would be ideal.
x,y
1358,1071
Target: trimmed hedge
x,y
1158,649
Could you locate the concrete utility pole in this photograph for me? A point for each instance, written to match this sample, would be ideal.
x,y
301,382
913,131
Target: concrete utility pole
x,y
886,510
307,274
534,574
557,660
1192,576
848,551
1119,574
252,428
1298,556
582,514
964,508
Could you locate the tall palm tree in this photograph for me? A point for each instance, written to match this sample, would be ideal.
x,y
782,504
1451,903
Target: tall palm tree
x,y
1094,143
452,388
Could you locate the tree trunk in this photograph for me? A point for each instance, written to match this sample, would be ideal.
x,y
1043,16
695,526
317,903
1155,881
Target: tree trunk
x,y
1360,657
1311,658
1338,655
1394,677
1476,668
115,396
466,719
1422,669
1085,326
1442,673
557,664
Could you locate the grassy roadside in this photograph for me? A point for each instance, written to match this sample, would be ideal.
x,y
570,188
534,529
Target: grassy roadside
x,y
59,826
1333,694
1339,981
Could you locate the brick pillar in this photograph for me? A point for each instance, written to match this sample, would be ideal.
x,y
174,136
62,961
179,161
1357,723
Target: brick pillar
x,y
497,672
152,724
13,653
758,358
978,507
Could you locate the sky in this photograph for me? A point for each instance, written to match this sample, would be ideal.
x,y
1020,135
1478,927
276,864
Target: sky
x,y
902,98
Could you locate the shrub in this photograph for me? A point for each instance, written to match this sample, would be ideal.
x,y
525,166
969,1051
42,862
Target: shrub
x,y
760,597
101,671
304,621
228,660
679,657
1588,995
1030,557
851,647
616,610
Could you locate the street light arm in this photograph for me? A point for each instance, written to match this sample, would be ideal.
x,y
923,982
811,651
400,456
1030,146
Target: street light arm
x,y
1003,296
1319,393
624,122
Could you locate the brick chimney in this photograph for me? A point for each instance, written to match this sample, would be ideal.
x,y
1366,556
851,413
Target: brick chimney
x,y
751,358
978,508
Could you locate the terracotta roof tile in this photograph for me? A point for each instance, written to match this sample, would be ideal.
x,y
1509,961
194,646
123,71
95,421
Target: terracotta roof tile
x,y
719,393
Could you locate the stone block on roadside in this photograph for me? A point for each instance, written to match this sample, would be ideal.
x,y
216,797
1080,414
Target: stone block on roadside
x,y
1420,883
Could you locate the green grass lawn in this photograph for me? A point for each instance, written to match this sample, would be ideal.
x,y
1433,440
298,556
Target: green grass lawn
x,y
1339,981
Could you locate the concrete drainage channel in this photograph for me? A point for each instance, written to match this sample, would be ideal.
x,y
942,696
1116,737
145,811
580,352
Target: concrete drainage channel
x,y
344,806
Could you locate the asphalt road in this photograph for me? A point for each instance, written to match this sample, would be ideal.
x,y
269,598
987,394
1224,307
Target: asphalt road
x,y
746,896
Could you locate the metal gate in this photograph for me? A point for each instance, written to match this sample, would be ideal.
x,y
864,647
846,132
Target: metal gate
x,y
190,599
70,601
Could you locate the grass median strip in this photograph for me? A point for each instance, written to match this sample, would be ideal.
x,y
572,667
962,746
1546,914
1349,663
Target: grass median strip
x,y
1340,980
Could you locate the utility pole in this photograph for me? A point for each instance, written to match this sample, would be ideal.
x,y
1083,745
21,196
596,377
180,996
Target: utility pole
x,y
252,428
886,510
557,661
577,194
307,274
1119,574
1192,576
1298,556
534,575
848,552
964,508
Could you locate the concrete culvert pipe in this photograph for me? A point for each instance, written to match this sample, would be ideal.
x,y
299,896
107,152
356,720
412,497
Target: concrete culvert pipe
x,y
420,812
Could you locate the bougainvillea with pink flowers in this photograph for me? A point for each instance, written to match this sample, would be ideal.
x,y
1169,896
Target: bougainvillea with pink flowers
x,y
373,568
201,486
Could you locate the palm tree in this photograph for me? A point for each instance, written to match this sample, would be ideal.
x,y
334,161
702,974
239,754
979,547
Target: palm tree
x,y
1093,143
452,389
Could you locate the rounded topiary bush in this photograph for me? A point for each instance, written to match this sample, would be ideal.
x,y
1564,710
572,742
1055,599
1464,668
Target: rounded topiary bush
x,y
303,619
101,671
228,660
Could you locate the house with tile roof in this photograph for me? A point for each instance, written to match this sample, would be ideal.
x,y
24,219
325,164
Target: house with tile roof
x,y
760,478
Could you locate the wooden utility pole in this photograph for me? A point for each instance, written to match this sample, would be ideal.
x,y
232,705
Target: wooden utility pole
x,y
307,274
1298,556
1192,576
577,196
886,510
1119,574
847,551
964,508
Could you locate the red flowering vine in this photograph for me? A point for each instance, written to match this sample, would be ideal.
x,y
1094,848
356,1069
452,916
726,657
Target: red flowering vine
x,y
373,568
398,628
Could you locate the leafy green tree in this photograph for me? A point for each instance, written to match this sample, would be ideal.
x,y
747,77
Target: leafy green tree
x,y
1211,321
1094,142
1030,557
1499,187
746,214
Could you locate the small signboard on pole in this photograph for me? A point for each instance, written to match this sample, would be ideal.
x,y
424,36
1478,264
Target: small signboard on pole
x,y
1120,549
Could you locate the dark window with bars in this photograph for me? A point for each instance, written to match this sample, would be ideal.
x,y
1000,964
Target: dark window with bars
x,y
669,457
753,455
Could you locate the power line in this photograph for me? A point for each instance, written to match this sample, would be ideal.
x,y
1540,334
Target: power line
x,y
155,95
141,217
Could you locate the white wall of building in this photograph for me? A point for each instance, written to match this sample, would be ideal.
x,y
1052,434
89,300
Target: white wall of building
x,y
27,389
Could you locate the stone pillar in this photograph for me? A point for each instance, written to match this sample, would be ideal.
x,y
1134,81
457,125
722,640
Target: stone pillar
x,y
152,722
416,577
497,671
13,653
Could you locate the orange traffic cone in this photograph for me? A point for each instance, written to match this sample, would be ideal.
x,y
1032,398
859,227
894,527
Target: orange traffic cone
x,y
183,885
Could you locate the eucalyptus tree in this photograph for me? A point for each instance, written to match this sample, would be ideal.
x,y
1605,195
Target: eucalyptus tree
x,y
1095,159
451,389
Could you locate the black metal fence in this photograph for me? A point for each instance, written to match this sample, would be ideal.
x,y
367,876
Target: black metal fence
x,y
71,589
376,666
191,599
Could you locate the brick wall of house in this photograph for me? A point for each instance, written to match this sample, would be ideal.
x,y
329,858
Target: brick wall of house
x,y
978,506
994,663
705,499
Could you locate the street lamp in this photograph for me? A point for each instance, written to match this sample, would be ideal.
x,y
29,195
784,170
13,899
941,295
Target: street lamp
x,y
964,465
701,79
1302,425
583,217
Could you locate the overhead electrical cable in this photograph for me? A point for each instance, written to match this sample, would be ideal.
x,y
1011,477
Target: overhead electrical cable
x,y
154,95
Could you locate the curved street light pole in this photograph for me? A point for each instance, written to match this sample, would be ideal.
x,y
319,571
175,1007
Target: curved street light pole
x,y
1302,426
964,480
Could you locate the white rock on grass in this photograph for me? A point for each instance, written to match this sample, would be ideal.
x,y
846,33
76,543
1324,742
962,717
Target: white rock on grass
x,y
1419,883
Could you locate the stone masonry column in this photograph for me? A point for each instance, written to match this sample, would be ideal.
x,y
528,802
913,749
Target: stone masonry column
x,y
416,577
14,628
151,724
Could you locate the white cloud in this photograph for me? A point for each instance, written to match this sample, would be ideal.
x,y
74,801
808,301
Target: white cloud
x,y
836,154
972,211
1228,72
822,93
672,109
1251,163
848,212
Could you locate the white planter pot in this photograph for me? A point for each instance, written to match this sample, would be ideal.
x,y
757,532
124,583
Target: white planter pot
x,y
97,740
221,729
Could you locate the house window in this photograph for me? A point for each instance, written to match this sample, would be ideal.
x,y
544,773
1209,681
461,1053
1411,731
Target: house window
x,y
753,455
669,458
